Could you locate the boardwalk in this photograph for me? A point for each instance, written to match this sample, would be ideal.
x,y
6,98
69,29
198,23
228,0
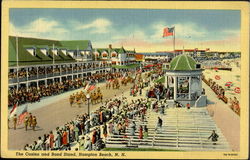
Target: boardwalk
x,y
227,120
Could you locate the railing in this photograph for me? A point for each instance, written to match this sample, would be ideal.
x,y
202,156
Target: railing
x,y
63,73
57,74
50,75
69,72
42,76
22,79
32,77
13,80
182,96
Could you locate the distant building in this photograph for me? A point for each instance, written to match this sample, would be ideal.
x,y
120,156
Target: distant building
x,y
117,56
191,52
157,56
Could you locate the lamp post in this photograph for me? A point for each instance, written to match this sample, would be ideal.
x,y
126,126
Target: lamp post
x,y
88,98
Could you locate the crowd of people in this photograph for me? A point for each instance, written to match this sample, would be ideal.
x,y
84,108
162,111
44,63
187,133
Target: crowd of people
x,y
220,91
34,93
24,72
29,121
234,104
114,117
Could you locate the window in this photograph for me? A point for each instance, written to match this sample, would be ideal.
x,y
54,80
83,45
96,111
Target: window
x,y
113,54
31,51
64,51
45,51
55,51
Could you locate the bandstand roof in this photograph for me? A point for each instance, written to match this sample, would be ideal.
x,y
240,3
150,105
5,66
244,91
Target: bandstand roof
x,y
183,62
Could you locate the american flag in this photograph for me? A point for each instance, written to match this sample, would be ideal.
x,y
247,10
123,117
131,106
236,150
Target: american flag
x,y
22,115
168,32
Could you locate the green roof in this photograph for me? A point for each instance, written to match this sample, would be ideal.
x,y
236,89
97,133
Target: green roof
x,y
76,44
183,62
42,56
122,50
25,58
117,50
100,50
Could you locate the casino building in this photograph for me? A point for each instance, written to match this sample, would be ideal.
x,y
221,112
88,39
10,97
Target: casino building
x,y
183,81
35,61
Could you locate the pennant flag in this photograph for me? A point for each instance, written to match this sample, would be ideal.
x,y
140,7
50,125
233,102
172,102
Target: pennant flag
x,y
13,110
86,87
92,87
168,32
22,115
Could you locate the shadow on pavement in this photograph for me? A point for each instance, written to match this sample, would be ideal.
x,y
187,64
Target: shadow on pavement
x,y
210,102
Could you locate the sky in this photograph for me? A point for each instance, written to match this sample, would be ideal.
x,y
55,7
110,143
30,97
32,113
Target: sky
x,y
141,29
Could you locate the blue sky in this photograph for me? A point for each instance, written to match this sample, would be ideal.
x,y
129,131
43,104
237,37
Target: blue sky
x,y
132,28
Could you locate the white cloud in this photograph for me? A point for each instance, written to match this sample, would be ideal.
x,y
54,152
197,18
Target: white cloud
x,y
130,35
100,25
234,32
40,27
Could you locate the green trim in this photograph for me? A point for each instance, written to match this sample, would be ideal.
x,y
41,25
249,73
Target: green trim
x,y
160,80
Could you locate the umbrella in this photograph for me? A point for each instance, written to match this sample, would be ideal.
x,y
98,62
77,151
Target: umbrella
x,y
217,77
229,84
237,90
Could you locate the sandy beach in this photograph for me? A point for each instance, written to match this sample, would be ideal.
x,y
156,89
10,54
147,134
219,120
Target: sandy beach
x,y
233,76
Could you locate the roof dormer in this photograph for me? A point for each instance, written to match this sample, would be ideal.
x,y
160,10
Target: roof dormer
x,y
31,50
44,51
64,51
55,51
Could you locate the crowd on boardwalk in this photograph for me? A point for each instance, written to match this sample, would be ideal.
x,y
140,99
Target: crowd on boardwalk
x,y
34,94
220,91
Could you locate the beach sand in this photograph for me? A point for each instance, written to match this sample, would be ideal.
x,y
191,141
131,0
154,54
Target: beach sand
x,y
233,76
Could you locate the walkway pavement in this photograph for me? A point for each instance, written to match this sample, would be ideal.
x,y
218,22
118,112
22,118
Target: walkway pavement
x,y
53,112
227,120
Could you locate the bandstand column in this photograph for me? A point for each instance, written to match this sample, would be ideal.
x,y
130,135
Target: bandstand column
x,y
189,88
175,87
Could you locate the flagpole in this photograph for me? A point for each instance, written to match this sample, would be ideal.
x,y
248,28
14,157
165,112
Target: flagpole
x,y
174,41
17,57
